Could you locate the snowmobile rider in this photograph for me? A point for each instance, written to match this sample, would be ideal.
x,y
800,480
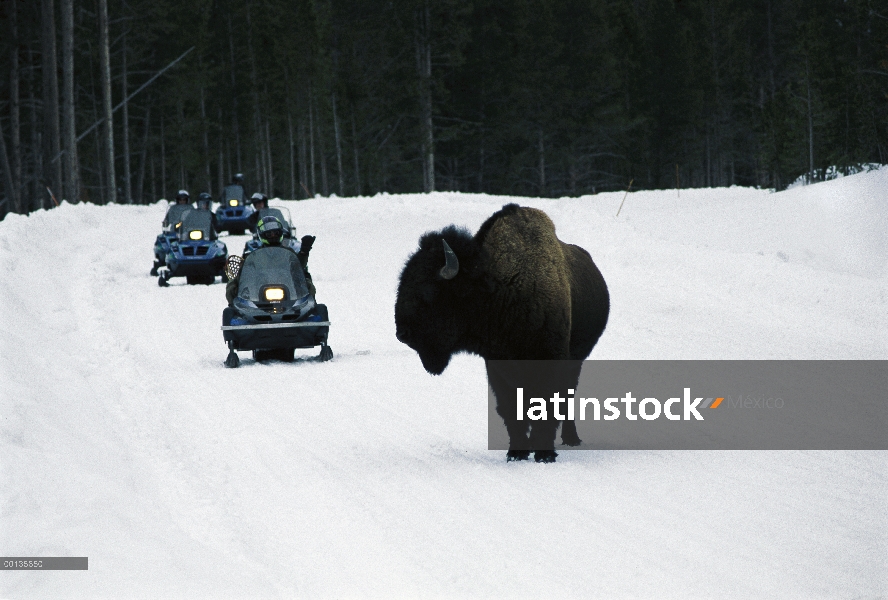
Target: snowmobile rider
x,y
238,179
205,202
182,197
271,233
259,202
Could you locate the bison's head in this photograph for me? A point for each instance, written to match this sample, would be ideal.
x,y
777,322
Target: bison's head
x,y
433,309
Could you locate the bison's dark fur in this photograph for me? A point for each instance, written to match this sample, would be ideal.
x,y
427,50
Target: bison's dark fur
x,y
519,294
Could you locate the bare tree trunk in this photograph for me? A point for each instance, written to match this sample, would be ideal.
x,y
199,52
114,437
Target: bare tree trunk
x,y
481,158
292,152
127,179
311,146
97,136
234,95
180,145
771,62
140,190
269,155
716,100
38,194
71,160
108,124
221,153
708,160
303,158
810,122
323,154
541,150
7,175
206,139
358,187
51,141
257,117
572,175
338,147
228,156
259,171
163,170
15,115
424,68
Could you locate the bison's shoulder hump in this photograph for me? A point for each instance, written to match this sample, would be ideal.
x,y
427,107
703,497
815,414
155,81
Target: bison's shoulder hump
x,y
520,247
516,221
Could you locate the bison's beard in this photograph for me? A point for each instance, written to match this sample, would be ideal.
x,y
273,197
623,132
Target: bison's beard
x,y
434,362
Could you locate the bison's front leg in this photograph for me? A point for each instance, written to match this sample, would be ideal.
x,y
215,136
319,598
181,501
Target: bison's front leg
x,y
519,445
542,440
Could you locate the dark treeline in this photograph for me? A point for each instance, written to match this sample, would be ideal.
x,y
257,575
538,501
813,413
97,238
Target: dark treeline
x,y
522,97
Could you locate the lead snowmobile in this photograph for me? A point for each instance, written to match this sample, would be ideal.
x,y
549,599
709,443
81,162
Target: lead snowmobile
x,y
273,313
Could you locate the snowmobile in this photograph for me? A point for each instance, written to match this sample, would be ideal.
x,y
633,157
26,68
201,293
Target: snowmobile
x,y
234,211
273,313
289,239
195,253
168,235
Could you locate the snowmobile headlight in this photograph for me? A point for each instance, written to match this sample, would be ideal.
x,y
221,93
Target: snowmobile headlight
x,y
195,234
274,294
232,202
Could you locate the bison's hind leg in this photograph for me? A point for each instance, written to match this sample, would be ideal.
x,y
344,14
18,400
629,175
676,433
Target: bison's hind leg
x,y
569,436
515,455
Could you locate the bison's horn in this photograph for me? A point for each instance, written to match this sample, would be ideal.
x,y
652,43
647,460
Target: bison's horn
x,y
451,266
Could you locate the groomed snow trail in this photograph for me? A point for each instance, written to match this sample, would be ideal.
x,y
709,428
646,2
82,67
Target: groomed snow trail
x,y
123,438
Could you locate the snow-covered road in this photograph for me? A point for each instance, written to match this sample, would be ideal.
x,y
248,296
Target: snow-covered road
x,y
123,438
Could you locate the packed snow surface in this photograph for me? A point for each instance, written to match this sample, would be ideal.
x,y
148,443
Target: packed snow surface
x,y
124,439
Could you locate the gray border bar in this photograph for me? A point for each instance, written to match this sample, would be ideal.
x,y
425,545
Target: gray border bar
x,y
44,563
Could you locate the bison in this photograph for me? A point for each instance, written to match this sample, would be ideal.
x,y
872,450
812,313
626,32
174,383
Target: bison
x,y
513,291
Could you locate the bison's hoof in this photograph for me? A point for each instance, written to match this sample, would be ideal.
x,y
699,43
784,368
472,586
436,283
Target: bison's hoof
x,y
571,440
545,456
517,455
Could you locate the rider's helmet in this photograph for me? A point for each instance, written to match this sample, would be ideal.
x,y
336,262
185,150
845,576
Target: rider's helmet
x,y
260,198
238,179
204,201
182,197
271,231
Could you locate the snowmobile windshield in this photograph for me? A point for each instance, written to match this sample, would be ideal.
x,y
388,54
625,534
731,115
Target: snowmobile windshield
x,y
271,267
174,214
281,214
196,225
233,195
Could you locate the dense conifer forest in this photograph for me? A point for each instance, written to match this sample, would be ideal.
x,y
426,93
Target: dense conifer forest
x,y
129,100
